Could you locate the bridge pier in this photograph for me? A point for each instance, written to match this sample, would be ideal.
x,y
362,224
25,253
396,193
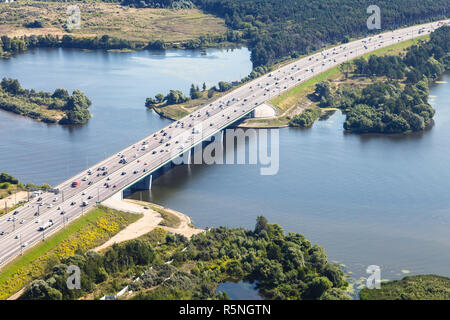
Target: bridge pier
x,y
143,184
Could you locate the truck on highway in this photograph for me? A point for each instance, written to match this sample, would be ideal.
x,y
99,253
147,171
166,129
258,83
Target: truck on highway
x,y
46,225
76,183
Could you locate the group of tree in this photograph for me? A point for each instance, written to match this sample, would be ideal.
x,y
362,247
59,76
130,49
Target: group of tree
x,y
306,118
275,29
399,104
169,4
31,103
427,59
177,96
286,266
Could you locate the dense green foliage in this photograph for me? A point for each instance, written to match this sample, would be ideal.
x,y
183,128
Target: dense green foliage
x,y
35,104
171,4
306,118
280,28
399,104
285,266
421,287
428,59
387,108
273,29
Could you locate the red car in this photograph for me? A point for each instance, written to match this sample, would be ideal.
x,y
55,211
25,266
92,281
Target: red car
x,y
76,183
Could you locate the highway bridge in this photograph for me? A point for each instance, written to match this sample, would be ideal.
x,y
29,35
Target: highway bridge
x,y
19,230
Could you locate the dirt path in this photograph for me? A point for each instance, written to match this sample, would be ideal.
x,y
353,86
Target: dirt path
x,y
147,223
13,199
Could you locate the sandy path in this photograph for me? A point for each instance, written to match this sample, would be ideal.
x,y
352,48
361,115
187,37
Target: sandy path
x,y
147,223
13,199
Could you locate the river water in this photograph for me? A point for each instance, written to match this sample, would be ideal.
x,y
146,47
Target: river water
x,y
380,200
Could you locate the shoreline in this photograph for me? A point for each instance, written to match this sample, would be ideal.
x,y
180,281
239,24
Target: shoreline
x,y
150,220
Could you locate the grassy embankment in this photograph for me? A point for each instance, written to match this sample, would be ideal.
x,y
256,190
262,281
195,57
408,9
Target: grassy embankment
x,y
420,287
85,233
114,20
290,103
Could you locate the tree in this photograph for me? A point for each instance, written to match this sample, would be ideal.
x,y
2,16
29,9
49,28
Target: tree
x,y
175,97
204,86
261,224
61,94
11,85
77,109
224,86
150,102
345,68
316,288
159,97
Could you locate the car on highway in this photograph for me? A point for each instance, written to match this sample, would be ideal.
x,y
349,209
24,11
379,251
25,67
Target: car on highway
x,y
2,233
25,244
22,221
124,173
73,203
15,212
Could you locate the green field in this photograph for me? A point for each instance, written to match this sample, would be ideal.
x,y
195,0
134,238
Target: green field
x,y
100,18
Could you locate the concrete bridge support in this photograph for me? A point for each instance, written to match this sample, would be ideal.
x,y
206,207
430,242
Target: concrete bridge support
x,y
143,184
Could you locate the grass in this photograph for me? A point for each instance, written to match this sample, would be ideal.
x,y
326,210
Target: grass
x,y
420,287
84,233
99,18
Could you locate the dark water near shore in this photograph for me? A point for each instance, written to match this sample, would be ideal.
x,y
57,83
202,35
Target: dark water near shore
x,y
367,199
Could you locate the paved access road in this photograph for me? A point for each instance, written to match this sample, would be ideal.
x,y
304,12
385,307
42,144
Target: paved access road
x,y
107,177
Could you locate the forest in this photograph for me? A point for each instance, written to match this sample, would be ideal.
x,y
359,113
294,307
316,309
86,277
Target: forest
x,y
273,29
397,105
281,28
48,107
286,266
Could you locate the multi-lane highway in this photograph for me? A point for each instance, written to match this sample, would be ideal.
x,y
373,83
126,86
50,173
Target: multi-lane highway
x,y
21,230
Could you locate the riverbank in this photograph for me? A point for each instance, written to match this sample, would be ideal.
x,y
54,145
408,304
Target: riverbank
x,y
57,107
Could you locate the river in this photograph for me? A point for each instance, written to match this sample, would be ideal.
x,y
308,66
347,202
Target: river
x,y
368,199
